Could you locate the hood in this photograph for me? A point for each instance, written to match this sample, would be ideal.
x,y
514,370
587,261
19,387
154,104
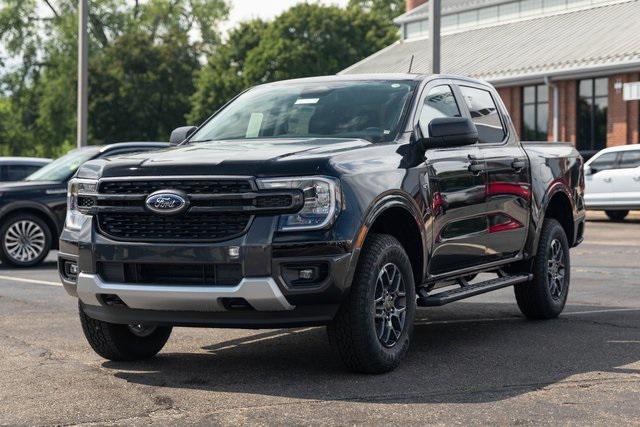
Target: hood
x,y
237,157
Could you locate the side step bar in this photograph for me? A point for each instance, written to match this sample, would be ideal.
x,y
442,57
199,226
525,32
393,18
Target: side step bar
x,y
467,291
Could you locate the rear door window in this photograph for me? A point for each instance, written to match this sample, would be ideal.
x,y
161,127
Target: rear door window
x,y
484,114
630,159
19,172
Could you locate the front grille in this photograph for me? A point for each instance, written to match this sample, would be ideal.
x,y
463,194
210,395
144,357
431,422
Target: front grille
x,y
171,274
189,186
273,201
182,228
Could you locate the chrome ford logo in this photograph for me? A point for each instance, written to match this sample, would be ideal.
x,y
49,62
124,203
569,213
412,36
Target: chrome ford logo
x,y
167,202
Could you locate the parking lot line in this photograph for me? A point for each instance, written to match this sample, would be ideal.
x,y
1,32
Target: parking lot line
x,y
34,281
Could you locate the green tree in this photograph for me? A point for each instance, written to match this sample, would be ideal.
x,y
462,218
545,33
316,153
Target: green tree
x,y
310,39
223,76
386,9
306,40
143,57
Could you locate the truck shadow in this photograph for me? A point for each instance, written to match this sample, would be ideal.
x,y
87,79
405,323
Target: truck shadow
x,y
489,354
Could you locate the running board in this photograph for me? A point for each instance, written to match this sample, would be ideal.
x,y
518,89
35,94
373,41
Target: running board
x,y
468,291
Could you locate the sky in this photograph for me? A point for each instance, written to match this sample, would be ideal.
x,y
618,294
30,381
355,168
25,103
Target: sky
x,y
242,10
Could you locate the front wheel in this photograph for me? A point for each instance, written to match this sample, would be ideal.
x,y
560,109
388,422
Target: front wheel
x,y
545,296
617,215
373,327
123,342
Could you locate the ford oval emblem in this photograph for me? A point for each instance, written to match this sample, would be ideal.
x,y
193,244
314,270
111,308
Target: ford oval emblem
x,y
167,202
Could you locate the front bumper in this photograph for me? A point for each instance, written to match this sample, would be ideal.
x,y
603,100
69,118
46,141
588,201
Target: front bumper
x,y
271,301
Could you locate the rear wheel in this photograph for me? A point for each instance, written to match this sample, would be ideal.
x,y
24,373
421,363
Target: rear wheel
x,y
25,240
617,215
546,295
124,342
373,327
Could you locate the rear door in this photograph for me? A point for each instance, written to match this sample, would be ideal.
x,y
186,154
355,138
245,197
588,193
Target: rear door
x,y
599,185
507,174
627,180
455,189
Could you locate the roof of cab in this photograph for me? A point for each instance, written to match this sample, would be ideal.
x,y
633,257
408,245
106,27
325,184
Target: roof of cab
x,y
377,76
24,160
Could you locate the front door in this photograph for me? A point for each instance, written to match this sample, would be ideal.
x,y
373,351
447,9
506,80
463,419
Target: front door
x,y
456,190
599,184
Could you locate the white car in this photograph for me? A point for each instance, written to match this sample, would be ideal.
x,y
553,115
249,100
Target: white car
x,y
612,179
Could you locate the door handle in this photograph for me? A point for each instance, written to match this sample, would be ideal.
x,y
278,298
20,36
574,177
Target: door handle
x,y
475,167
607,179
518,165
636,178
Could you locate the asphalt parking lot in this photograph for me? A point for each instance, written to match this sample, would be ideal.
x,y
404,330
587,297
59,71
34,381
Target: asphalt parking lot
x,y
474,362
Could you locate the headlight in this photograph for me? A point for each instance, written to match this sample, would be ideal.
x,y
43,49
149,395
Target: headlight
x,y
77,188
322,201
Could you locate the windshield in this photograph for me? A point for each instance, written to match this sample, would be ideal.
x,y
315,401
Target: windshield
x,y
63,168
370,110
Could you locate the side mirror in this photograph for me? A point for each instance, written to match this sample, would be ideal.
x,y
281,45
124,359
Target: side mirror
x,y
447,132
587,171
180,134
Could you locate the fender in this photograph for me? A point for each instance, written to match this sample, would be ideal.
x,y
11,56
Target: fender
x,y
538,214
16,206
378,206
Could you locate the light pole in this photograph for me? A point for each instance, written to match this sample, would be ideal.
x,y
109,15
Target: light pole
x,y
83,75
434,34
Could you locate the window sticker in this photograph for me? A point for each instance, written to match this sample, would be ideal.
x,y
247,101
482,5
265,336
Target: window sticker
x,y
307,101
255,123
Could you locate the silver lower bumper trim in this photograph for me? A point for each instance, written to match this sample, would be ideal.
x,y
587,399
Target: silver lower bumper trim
x,y
262,293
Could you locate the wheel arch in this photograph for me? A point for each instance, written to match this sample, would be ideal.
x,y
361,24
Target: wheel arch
x,y
398,215
557,204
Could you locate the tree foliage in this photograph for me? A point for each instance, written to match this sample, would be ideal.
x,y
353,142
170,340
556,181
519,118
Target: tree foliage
x,y
156,63
307,40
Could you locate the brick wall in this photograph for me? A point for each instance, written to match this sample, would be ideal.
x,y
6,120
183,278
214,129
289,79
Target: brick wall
x,y
568,105
512,98
622,116
412,4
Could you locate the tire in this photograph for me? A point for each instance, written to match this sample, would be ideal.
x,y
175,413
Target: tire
x,y
546,295
360,331
119,342
25,240
617,215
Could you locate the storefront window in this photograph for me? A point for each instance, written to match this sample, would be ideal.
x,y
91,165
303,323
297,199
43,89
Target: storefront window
x,y
593,101
535,110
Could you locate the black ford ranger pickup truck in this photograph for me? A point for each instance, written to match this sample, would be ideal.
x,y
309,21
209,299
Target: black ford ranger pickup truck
x,y
342,201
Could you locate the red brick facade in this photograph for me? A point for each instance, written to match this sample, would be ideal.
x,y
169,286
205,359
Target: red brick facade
x,y
623,117
412,4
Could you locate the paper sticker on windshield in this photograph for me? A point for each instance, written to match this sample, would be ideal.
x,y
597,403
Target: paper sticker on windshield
x,y
255,123
307,101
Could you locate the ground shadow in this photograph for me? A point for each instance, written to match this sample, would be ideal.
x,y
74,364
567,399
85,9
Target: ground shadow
x,y
627,220
489,355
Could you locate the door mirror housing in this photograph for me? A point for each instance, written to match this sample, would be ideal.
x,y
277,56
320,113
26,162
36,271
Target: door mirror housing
x,y
180,134
587,171
447,132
